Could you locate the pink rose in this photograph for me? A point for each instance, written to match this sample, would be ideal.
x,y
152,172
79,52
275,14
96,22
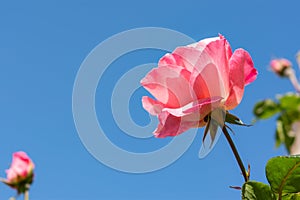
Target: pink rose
x,y
279,66
20,171
193,81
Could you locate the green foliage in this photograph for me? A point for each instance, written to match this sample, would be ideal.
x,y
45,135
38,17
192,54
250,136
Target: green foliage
x,y
288,109
290,102
255,190
283,174
266,109
283,127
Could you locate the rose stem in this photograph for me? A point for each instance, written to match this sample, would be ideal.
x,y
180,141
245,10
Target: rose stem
x,y
26,195
236,154
293,79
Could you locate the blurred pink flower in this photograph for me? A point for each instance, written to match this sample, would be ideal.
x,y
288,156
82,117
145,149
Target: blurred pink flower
x,y
279,66
193,81
20,172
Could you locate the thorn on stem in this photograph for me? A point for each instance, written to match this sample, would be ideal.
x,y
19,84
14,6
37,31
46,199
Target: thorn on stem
x,y
235,187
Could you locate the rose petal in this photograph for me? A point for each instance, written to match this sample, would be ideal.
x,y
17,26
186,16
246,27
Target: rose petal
x,y
11,175
211,72
249,70
152,106
241,72
170,125
207,83
189,55
175,60
175,121
169,85
203,43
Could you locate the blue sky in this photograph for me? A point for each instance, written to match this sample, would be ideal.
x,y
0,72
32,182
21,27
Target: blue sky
x,y
42,46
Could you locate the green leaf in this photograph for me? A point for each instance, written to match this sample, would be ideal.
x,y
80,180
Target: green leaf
x,y
266,109
283,128
290,101
255,190
288,107
291,196
283,174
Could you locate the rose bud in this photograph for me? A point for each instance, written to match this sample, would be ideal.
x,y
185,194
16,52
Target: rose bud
x,y
280,66
20,174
